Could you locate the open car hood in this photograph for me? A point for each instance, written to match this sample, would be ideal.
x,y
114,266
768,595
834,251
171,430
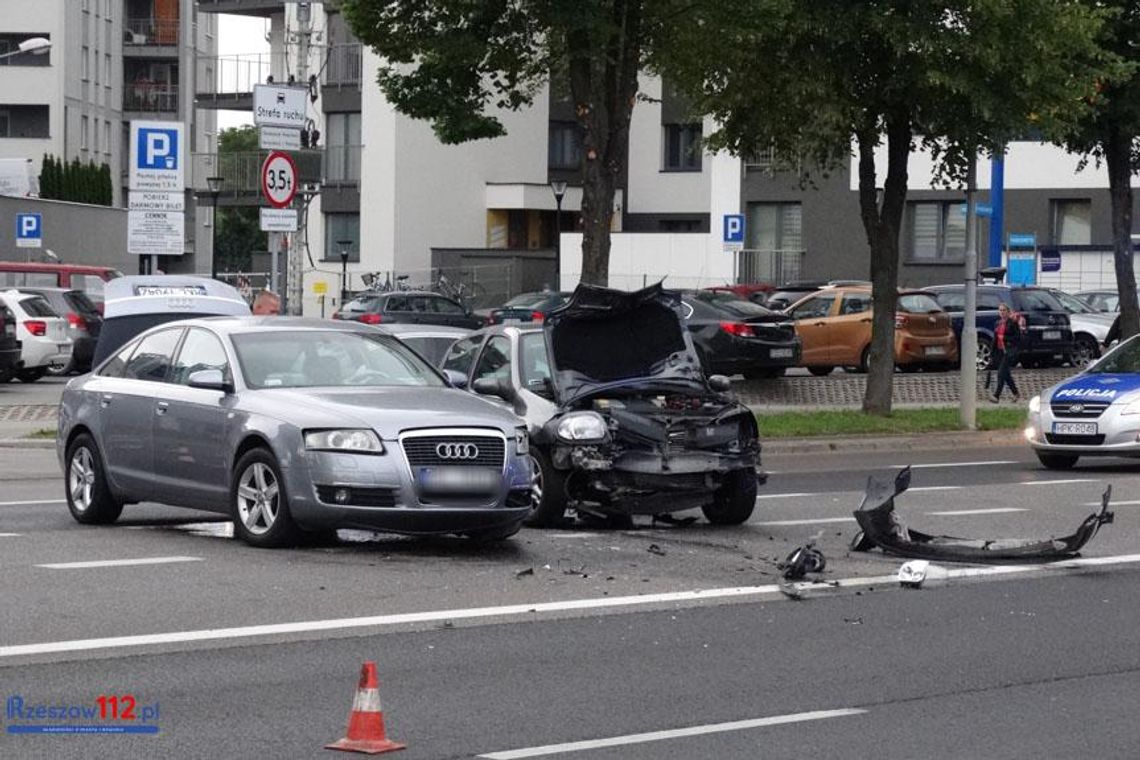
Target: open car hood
x,y
613,340
881,527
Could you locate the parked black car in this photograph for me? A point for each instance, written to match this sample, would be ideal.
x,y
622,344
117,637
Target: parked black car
x,y
408,307
623,420
9,344
1048,338
527,307
84,322
737,337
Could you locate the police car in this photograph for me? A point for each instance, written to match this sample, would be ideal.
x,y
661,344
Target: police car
x,y
1096,413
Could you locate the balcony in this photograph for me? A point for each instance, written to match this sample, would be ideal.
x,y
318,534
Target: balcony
x,y
263,8
150,37
242,170
150,98
228,81
344,66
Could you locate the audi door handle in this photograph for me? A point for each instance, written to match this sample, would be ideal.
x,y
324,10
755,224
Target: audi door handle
x,y
818,324
105,401
162,407
865,320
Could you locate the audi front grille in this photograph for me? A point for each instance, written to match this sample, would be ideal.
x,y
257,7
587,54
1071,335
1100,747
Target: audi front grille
x,y
455,450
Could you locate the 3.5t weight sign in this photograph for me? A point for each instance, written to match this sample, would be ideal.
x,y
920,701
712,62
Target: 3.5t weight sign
x,y
279,179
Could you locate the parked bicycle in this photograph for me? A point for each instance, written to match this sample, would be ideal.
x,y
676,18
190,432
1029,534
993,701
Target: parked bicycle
x,y
466,294
373,284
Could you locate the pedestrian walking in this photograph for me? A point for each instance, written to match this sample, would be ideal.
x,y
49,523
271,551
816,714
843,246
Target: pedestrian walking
x,y
1007,342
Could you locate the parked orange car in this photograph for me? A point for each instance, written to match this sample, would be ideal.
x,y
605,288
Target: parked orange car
x,y
835,327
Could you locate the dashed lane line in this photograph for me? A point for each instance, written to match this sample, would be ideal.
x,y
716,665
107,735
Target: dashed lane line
x,y
117,563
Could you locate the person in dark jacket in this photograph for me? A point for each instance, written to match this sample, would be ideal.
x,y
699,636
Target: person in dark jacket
x,y
1007,342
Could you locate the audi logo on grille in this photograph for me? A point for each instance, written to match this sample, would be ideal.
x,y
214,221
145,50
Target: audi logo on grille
x,y
456,451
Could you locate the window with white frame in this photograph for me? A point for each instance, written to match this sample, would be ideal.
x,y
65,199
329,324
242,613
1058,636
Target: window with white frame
x,y
564,150
84,127
85,63
1072,221
935,232
682,147
107,137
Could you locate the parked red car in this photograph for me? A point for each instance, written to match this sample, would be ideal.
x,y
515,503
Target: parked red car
x,y
756,292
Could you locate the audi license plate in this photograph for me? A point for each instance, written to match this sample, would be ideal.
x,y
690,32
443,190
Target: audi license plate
x,y
1074,428
444,480
781,353
935,351
1051,335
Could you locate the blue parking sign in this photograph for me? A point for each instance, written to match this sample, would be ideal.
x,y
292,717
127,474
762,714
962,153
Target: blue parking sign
x,y
29,230
734,229
157,148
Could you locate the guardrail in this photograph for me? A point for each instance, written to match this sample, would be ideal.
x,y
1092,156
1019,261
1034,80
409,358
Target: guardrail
x,y
150,31
237,74
151,98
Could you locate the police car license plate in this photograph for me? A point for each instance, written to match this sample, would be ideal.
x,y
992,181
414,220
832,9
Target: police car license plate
x,y
1051,335
1074,428
459,479
781,353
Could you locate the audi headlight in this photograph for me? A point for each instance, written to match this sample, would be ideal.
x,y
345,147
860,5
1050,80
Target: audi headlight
x,y
1035,405
354,441
582,427
522,441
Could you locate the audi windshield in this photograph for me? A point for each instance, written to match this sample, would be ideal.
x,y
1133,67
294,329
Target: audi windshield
x,y
328,358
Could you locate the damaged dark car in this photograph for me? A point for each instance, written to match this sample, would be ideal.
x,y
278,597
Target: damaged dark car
x,y
623,420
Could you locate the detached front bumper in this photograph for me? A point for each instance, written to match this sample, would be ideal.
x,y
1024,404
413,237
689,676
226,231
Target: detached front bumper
x,y
335,490
1115,434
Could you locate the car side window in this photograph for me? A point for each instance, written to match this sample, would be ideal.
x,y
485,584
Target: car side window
x,y
820,306
951,301
151,361
444,306
201,350
461,354
495,361
118,364
396,303
988,301
855,303
419,304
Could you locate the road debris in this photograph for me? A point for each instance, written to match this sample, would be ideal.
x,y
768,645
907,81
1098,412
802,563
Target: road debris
x,y
655,549
524,573
804,559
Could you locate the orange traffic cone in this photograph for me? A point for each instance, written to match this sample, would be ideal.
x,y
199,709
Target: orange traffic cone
x,y
366,721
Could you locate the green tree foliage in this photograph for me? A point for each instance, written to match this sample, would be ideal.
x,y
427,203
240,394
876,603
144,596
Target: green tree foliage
x,y
76,182
820,80
1110,132
238,231
462,64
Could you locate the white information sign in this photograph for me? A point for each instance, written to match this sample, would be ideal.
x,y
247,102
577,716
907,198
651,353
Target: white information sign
x,y
278,219
145,200
279,138
156,233
157,156
277,105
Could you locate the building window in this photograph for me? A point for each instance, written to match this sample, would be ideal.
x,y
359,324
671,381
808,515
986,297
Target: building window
x,y
682,147
24,121
107,69
1072,222
107,137
342,147
680,225
85,63
83,128
775,227
565,147
935,232
95,135
339,228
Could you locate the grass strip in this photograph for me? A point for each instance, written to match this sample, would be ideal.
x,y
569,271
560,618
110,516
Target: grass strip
x,y
846,422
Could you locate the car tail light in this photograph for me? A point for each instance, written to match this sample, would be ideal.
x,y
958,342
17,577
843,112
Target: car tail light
x,y
901,320
76,321
537,316
739,329
371,319
336,315
36,327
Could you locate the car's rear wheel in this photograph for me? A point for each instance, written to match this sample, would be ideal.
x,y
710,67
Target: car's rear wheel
x,y
548,493
820,371
260,503
89,498
1057,461
1085,351
734,501
985,357
30,375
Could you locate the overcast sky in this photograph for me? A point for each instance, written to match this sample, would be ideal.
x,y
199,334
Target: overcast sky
x,y
239,35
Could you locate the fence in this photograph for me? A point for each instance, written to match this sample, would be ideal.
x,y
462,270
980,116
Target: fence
x,y
241,171
150,98
150,31
237,74
344,66
775,266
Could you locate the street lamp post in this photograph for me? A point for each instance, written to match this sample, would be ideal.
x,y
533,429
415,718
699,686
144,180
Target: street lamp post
x,y
33,45
344,246
215,186
558,187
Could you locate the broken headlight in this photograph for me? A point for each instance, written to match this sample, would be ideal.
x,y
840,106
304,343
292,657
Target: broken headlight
x,y
582,427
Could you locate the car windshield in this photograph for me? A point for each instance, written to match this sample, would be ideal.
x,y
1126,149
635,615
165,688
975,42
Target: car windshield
x,y
1124,359
732,303
1073,304
431,347
328,358
527,301
918,303
1036,300
534,364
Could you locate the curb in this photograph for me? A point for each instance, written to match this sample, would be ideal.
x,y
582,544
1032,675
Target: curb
x,y
851,444
27,443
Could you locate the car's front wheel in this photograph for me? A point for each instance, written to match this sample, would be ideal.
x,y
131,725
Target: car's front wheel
x,y
260,503
547,493
89,498
1057,461
734,501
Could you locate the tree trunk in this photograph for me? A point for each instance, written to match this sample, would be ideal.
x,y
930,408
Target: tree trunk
x,y
603,84
882,222
1118,156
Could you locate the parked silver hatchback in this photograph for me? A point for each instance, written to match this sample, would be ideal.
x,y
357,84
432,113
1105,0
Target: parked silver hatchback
x,y
290,426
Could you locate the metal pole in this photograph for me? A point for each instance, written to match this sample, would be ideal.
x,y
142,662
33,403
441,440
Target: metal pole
x,y
558,244
214,239
968,351
997,203
296,258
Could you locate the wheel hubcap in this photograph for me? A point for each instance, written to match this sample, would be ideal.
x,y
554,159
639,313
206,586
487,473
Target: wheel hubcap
x,y
535,485
1084,354
81,479
983,357
258,498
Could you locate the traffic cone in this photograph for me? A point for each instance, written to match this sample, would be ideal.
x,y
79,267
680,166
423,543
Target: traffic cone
x,y
366,721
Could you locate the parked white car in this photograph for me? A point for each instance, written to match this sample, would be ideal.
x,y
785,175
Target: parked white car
x,y
42,333
1090,328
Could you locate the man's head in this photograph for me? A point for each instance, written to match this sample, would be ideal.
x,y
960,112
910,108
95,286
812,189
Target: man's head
x,y
267,302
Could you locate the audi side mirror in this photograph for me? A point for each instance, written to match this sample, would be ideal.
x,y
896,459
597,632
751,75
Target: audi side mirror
x,y
489,386
209,379
455,379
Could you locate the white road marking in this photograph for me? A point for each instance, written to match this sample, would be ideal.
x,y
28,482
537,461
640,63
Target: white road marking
x,y
676,733
994,511
784,495
118,563
987,463
1058,482
1132,503
32,501
522,611
813,521
933,488
10,535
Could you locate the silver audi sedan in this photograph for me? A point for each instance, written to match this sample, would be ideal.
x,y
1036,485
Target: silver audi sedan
x,y
291,426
